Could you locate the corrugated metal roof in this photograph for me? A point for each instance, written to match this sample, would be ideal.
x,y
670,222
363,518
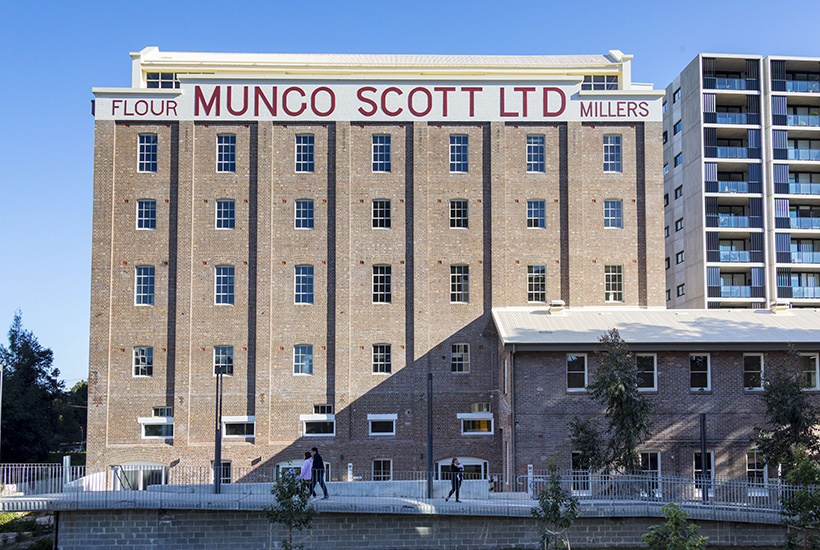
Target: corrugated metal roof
x,y
661,326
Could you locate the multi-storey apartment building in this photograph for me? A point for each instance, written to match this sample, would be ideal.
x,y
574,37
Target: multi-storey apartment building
x,y
741,174
327,230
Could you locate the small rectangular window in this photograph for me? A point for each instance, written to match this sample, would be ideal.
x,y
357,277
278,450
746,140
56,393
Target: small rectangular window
x,y
668,294
809,371
223,360
676,128
666,199
382,284
225,214
699,378
323,408
382,469
459,214
460,284
613,214
157,431
678,224
647,372
382,359
146,214
147,153
536,214
460,357
536,283
679,257
753,372
667,262
756,470
681,289
224,284
304,153
320,427
161,80
381,153
476,425
665,136
144,291
676,96
612,153
678,191
163,412
304,214
239,429
459,154
303,359
663,107
576,372
666,171
381,214
614,283
535,154
143,361
666,231
600,82
480,407
226,153
303,284
381,425
678,159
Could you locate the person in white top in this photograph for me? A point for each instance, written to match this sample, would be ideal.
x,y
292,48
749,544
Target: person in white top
x,y
307,467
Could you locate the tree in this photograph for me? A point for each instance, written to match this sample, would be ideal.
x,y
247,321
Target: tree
x,y
291,507
586,440
801,506
629,412
72,410
556,511
31,390
676,533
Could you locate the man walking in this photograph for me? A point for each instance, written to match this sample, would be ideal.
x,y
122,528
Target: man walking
x,y
318,469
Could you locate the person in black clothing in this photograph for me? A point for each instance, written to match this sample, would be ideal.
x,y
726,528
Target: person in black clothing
x,y
318,471
456,475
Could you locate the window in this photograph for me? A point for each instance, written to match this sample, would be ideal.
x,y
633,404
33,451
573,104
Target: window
x,y
681,289
536,283
756,469
381,153
225,473
144,285
382,291
163,411
651,467
679,257
678,159
147,153
240,427
699,378
808,369
581,481
161,80
480,407
612,153
667,262
666,171
535,153
223,360
459,153
576,372
647,372
678,191
304,214
676,128
663,107
225,214
226,153
143,361
146,214
459,284
613,214
676,96
303,284
382,360
476,423
666,231
324,408
303,359
458,213
600,82
678,224
460,358
160,425
665,136
382,424
668,294
224,284
382,469
304,153
321,423
381,214
753,372
666,199
704,478
614,283
536,214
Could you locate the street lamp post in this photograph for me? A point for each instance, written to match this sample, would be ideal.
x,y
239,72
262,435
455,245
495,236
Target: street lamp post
x,y
218,433
2,374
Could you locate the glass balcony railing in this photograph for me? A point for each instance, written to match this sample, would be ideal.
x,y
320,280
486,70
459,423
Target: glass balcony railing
x,y
803,154
730,83
735,291
731,118
803,120
804,188
733,187
728,220
802,86
735,256
798,222
733,152
806,257
806,292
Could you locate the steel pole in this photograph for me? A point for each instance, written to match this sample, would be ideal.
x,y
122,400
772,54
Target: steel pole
x,y
705,478
429,435
218,434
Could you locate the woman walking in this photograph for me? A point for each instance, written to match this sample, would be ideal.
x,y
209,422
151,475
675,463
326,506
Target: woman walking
x,y
456,471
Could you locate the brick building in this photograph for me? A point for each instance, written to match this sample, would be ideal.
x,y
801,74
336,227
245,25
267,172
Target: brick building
x,y
329,229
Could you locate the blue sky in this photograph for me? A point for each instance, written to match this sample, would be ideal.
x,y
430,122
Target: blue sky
x,y
55,52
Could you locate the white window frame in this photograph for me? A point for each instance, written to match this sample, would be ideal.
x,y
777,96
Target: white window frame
x,y
226,153
381,215
536,289
238,420
699,491
147,154
301,281
656,488
459,153
381,418
459,214
613,153
759,356
382,358
536,214
536,154
296,356
613,283
146,214
305,154
460,357
144,285
389,477
756,489
306,219
226,353
476,416
228,280
816,372
305,418
155,421
224,222
382,284
614,214
567,372
708,372
580,477
149,364
654,357
459,284
382,153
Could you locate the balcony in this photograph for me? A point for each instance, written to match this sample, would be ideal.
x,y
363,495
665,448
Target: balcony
x,y
735,256
803,120
805,291
804,188
733,152
731,118
798,222
733,187
729,220
805,86
802,154
729,83
735,291
809,257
